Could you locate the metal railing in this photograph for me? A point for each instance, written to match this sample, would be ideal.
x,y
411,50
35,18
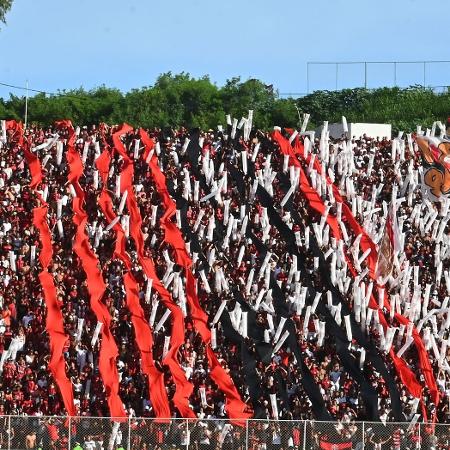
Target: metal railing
x,y
423,79
99,433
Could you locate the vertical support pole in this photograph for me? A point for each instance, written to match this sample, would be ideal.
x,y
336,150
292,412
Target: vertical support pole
x,y
187,434
304,434
420,432
365,75
26,106
129,433
337,74
424,74
246,430
307,77
9,433
363,435
69,434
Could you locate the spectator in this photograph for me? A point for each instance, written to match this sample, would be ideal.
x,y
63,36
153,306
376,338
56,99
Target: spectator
x,y
231,263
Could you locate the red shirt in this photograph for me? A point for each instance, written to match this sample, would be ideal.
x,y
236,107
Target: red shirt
x,y
53,431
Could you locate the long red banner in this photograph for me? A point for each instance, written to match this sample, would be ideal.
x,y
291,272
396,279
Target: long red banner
x,y
405,373
235,407
54,323
142,330
95,284
183,387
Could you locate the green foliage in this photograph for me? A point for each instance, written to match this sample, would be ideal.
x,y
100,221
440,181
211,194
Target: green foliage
x,y
99,105
403,108
238,97
5,6
180,99
175,100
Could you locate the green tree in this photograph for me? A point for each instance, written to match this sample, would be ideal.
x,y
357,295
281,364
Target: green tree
x,y
87,107
5,6
175,100
180,99
284,113
238,97
403,108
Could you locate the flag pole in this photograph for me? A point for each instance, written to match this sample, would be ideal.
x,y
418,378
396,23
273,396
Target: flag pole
x,y
26,105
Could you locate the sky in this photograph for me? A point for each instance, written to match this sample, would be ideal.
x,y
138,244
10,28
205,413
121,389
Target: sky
x,y
61,44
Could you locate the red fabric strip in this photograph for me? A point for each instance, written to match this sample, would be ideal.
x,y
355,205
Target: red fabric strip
x,y
366,243
235,407
54,323
143,333
95,284
325,445
405,373
183,388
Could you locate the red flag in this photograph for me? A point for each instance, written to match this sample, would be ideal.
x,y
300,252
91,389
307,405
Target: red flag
x,y
143,333
54,321
326,445
94,279
184,387
389,243
405,373
235,407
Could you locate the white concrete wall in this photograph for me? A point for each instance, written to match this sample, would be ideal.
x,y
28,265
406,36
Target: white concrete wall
x,y
372,130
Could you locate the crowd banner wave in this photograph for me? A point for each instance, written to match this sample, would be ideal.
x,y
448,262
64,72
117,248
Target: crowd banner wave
x,y
54,323
405,373
235,407
142,330
436,166
94,278
184,387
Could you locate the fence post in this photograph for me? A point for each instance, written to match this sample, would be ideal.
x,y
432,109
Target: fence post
x,y
188,437
246,434
363,435
129,434
9,432
69,434
420,434
304,434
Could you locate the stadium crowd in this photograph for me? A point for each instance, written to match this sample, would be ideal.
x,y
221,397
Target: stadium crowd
x,y
235,217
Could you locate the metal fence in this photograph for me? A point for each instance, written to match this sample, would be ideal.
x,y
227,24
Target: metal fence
x,y
370,74
96,433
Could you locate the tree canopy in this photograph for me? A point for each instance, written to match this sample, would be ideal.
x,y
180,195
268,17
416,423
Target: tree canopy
x,y
180,99
5,6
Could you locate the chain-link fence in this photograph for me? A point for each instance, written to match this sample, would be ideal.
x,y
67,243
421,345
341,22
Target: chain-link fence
x,y
98,433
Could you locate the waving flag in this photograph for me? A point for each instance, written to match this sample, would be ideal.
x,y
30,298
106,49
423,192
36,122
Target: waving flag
x,y
326,444
436,165
389,244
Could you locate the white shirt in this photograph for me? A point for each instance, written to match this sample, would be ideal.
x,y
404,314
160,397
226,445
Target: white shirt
x,y
89,445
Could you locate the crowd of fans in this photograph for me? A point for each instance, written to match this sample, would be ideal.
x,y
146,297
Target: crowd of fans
x,y
225,262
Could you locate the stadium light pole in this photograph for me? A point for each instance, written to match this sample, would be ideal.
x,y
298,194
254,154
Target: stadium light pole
x,y
307,77
26,105
337,74
424,73
365,75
